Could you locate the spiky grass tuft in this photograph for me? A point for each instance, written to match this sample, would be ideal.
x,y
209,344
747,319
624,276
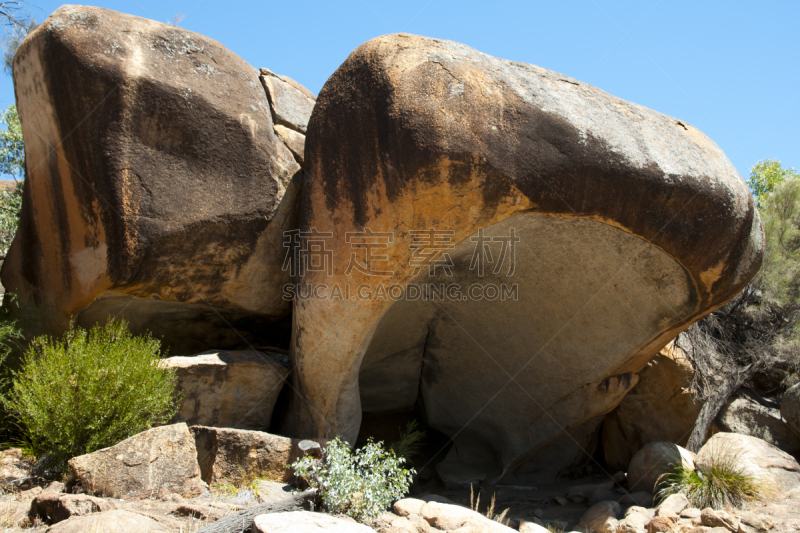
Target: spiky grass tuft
x,y
719,484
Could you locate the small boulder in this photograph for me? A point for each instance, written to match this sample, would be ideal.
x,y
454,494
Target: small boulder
x,y
773,468
52,507
711,518
408,506
601,517
449,517
749,414
691,512
232,389
226,454
634,522
115,521
653,461
159,460
305,522
673,505
640,498
603,495
661,524
272,491
581,493
531,527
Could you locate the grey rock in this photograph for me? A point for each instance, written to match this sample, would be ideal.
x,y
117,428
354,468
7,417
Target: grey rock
x,y
653,461
115,521
790,406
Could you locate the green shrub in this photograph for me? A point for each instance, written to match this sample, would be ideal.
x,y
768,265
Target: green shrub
x,y
719,485
361,483
88,391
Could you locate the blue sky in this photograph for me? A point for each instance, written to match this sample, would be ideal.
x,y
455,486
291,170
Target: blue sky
x,y
730,68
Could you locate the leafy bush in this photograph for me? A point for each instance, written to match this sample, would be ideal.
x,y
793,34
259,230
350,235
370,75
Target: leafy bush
x,y
89,391
719,485
360,484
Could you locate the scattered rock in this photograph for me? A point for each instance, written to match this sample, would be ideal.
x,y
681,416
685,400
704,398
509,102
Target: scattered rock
x,y
711,518
15,466
640,498
52,507
601,517
448,517
272,491
661,524
114,521
653,461
672,505
232,389
227,454
205,510
408,506
748,414
634,522
169,197
156,461
531,527
775,469
691,512
757,521
305,522
664,394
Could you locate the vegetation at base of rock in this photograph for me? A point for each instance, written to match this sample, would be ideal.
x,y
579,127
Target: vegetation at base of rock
x,y
720,484
752,341
11,339
474,505
89,390
410,444
361,483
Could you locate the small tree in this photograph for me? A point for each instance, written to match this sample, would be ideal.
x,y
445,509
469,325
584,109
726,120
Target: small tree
x,y
88,391
752,341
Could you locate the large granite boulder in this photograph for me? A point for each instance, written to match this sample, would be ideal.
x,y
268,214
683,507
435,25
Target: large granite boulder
x,y
653,461
660,407
231,389
790,407
156,185
500,246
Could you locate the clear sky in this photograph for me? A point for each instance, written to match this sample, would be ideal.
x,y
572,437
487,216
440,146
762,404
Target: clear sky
x,y
728,67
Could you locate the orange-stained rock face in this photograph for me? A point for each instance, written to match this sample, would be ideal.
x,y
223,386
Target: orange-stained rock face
x,y
628,225
156,186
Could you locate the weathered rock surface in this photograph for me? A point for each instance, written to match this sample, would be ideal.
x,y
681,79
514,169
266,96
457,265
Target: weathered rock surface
x,y
631,225
290,102
116,521
226,454
660,407
673,505
158,461
653,461
775,469
751,415
601,517
790,407
156,187
14,467
233,389
53,507
448,517
305,522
